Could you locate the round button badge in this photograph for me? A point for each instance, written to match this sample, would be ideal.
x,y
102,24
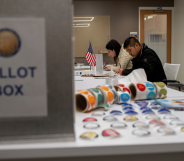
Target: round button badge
x,y
177,123
166,131
141,132
98,113
89,135
89,119
130,118
140,125
110,118
170,117
118,125
116,112
110,132
152,117
91,126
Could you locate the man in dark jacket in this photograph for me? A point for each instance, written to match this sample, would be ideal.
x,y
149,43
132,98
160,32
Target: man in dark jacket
x,y
145,58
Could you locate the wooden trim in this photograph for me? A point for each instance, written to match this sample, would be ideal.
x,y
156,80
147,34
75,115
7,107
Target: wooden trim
x,y
168,13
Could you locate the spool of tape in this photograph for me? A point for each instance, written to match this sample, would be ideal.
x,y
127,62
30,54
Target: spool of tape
x,y
142,91
107,94
98,96
123,96
161,90
85,101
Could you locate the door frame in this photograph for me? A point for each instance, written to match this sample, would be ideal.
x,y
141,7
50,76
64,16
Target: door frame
x,y
172,25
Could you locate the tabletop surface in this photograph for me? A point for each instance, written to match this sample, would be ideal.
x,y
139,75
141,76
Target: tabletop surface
x,y
126,143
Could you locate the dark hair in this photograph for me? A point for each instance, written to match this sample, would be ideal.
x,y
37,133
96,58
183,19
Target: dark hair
x,y
113,44
131,41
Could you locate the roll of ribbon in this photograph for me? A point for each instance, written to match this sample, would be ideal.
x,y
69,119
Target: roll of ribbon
x,y
161,90
123,96
107,94
98,96
122,87
85,101
142,91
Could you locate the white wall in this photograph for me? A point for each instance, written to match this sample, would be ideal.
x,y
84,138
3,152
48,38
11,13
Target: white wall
x,y
178,52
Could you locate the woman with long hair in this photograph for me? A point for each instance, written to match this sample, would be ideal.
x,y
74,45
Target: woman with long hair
x,y
122,58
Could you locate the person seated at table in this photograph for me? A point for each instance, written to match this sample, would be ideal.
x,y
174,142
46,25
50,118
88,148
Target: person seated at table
x,y
121,57
145,58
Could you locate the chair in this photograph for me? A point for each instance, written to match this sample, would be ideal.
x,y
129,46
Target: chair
x,y
171,72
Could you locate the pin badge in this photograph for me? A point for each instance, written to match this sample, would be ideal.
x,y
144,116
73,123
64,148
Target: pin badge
x,y
131,112
148,111
152,117
156,123
166,131
116,112
172,117
98,113
128,108
89,119
127,104
91,126
118,125
130,118
182,129
164,111
141,132
110,132
140,125
177,122
110,118
89,135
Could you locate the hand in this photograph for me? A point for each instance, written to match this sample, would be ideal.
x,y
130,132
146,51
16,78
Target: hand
x,y
119,71
107,68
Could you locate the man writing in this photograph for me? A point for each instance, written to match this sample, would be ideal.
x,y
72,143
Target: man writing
x,y
145,58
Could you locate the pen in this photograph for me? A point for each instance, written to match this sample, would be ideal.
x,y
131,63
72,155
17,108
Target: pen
x,y
105,64
120,65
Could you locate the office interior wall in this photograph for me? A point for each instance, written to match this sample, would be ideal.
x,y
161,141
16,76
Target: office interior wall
x,y
178,52
124,15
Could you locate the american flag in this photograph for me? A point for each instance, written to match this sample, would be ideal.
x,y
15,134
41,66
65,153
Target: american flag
x,y
90,56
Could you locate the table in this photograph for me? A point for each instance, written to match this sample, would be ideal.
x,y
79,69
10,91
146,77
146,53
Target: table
x,y
124,145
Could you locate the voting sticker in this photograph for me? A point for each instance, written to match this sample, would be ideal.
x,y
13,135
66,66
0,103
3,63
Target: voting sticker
x,y
130,118
110,118
91,126
172,117
156,123
98,113
131,112
140,124
141,132
152,117
164,111
110,132
89,119
118,125
177,123
116,112
166,131
89,135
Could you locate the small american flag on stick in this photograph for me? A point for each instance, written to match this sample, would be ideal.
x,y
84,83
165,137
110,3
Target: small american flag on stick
x,y
90,56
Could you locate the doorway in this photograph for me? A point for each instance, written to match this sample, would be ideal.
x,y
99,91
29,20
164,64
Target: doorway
x,y
155,32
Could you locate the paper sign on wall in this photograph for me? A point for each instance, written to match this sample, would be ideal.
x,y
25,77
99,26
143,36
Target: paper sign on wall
x,y
22,67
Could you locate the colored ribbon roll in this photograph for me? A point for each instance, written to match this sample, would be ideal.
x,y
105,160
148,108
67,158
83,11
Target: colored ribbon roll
x,y
98,96
142,91
161,90
85,101
107,94
123,96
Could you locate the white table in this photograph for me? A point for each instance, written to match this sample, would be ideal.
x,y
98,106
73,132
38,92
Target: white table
x,y
126,144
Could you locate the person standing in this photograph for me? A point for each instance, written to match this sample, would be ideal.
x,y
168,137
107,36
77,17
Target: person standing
x,y
145,58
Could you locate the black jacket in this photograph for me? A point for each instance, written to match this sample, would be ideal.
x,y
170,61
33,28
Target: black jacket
x,y
150,62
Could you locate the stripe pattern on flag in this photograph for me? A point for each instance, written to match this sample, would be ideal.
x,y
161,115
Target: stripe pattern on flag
x,y
90,56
